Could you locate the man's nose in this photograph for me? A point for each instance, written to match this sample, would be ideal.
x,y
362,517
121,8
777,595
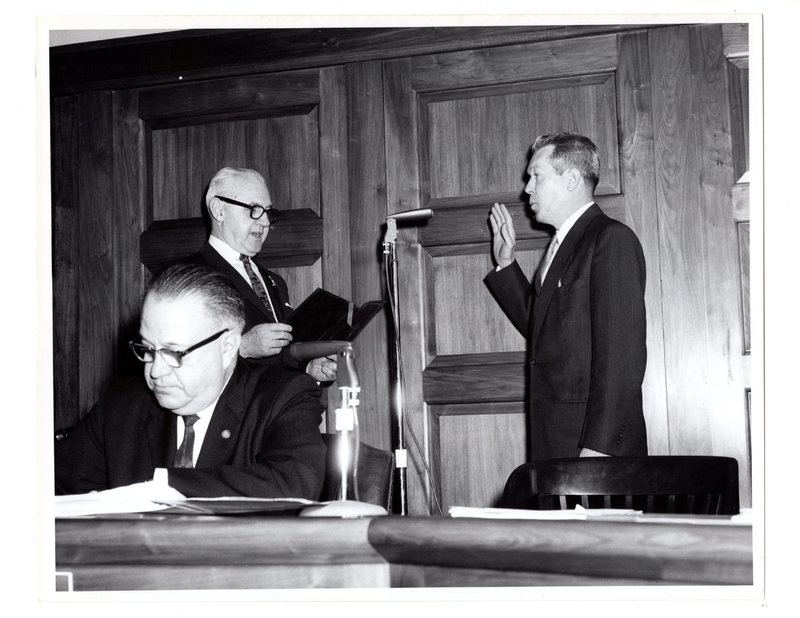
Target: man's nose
x,y
530,187
159,367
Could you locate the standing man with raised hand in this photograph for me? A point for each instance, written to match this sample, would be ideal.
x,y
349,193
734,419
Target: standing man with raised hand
x,y
240,208
584,314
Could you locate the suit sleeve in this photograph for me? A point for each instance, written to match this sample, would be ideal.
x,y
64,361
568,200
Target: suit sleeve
x,y
514,294
284,458
614,420
79,456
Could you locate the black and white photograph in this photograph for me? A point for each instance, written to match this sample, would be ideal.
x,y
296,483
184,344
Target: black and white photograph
x,y
389,313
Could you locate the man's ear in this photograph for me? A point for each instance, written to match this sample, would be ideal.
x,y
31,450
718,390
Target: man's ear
x,y
216,209
230,347
573,178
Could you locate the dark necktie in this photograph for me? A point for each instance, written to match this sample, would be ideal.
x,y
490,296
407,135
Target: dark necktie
x,y
256,283
183,458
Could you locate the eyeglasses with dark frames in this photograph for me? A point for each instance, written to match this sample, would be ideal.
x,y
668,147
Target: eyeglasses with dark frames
x,y
173,358
256,210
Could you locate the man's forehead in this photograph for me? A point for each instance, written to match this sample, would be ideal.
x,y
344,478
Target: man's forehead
x,y
177,316
541,157
247,185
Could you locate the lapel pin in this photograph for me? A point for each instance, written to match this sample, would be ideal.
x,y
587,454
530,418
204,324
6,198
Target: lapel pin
x,y
559,283
225,434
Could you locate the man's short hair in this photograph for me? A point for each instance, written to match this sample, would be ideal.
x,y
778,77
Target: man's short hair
x,y
572,150
223,177
216,294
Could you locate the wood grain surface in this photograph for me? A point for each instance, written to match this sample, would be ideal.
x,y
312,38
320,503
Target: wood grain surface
x,y
650,552
200,552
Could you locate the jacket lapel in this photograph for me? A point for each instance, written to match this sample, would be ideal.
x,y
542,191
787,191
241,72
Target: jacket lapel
x,y
215,260
162,434
560,262
226,422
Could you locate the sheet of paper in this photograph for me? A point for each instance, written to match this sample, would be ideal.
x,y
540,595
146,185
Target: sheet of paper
x,y
578,513
136,498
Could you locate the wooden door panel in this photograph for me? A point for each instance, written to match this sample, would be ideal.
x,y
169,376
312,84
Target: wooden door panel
x,y
283,149
465,314
477,442
473,139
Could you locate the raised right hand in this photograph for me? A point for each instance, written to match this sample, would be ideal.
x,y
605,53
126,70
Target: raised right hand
x,y
265,340
504,238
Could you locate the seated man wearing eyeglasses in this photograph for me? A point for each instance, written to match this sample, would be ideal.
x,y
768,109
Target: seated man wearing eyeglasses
x,y
240,208
211,422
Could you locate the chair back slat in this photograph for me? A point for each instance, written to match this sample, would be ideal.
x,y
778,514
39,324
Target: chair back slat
x,y
666,484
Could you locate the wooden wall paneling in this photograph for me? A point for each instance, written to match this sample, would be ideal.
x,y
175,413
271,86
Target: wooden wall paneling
x,y
686,360
743,232
694,178
200,102
738,80
299,242
331,142
514,63
464,229
97,297
65,195
131,217
634,90
402,193
482,378
336,270
468,319
483,441
366,163
720,247
293,161
192,54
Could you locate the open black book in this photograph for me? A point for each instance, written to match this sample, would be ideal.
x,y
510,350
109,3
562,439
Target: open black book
x,y
323,316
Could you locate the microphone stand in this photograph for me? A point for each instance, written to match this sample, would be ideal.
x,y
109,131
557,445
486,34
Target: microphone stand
x,y
346,424
400,452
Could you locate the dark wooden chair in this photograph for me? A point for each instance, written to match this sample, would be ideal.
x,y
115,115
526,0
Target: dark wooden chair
x,y
373,475
659,484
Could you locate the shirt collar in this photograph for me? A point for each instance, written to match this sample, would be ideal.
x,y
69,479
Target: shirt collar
x,y
230,254
562,232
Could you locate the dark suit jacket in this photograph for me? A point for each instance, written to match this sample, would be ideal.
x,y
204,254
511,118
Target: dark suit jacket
x,y
263,440
255,311
586,331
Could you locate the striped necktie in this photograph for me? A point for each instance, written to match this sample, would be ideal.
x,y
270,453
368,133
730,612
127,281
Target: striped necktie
x,y
548,259
256,283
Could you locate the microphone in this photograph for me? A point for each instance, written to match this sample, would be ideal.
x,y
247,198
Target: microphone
x,y
306,351
409,215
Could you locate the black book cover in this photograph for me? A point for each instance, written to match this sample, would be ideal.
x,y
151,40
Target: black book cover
x,y
323,316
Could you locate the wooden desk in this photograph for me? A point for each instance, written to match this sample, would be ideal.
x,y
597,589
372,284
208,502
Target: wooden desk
x,y
152,552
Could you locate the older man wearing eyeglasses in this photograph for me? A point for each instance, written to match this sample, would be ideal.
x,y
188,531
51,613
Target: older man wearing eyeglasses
x,y
204,421
241,212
